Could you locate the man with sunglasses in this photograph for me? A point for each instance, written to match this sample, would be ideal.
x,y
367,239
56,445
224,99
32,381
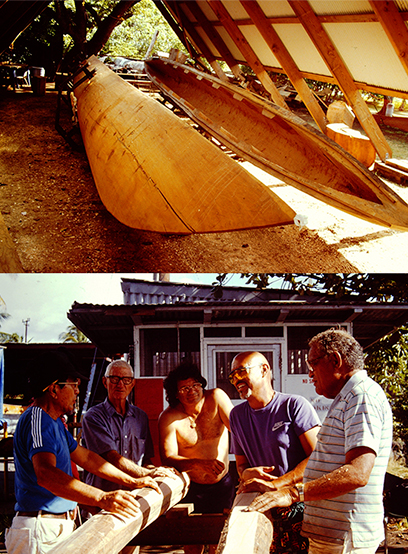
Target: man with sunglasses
x,y
272,435
344,477
46,492
193,435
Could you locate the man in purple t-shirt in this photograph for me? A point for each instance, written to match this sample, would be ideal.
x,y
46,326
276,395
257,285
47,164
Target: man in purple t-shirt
x,y
273,435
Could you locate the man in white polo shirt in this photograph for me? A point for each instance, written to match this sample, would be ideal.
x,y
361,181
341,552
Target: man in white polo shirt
x,y
344,477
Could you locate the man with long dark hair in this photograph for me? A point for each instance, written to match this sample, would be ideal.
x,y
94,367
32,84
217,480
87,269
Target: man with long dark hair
x,y
194,438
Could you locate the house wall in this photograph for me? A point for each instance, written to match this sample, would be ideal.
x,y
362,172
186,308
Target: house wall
x,y
157,349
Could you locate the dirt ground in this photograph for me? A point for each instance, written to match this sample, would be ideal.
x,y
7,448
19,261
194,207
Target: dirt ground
x,y
58,223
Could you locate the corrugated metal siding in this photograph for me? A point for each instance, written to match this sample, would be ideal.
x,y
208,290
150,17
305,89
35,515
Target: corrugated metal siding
x,y
340,7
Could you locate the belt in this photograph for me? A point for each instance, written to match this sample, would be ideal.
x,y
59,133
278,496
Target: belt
x,y
42,513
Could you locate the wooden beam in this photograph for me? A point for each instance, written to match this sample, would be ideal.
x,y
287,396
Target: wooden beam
x,y
249,532
215,38
107,533
175,25
274,42
246,50
394,26
334,62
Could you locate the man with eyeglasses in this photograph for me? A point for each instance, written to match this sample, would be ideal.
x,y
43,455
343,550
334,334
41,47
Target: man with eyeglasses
x,y
272,435
119,431
193,436
46,492
344,477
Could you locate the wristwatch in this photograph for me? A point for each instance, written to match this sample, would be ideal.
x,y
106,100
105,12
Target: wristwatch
x,y
301,490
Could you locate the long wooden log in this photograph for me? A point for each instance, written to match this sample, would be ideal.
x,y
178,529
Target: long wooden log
x,y
249,532
107,533
154,172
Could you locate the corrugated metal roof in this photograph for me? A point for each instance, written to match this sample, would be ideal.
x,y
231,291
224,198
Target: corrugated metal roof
x,y
357,35
111,327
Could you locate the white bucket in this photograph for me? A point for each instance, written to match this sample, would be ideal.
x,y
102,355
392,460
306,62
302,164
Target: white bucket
x,y
389,110
38,71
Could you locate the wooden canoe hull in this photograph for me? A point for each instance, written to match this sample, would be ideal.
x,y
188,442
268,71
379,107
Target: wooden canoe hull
x,y
280,143
399,122
155,172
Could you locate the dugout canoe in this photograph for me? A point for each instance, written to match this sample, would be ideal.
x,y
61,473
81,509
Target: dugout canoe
x,y
280,143
154,172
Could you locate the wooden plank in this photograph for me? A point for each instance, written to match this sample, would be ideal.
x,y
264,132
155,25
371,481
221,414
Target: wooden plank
x,y
393,24
155,172
106,533
9,260
339,69
392,173
216,40
402,165
248,532
246,50
285,59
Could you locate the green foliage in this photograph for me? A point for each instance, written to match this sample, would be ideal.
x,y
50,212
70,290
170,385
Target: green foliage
x,y
73,334
366,287
132,38
10,337
386,363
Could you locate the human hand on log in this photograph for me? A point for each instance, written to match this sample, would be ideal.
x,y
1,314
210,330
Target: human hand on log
x,y
276,499
163,472
120,502
146,481
256,484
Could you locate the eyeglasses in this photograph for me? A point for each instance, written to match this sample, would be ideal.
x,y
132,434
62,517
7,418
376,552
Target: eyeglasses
x,y
185,390
74,384
115,379
240,373
56,382
311,363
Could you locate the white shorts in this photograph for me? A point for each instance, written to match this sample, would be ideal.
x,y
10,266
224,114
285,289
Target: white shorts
x,y
325,547
36,535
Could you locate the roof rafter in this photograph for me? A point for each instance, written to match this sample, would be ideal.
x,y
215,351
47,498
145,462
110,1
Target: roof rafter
x,y
395,27
215,38
246,50
285,59
338,68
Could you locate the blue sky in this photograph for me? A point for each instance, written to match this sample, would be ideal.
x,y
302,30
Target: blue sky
x,y
46,298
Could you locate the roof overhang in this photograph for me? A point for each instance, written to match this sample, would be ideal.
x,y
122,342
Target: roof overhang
x,y
111,327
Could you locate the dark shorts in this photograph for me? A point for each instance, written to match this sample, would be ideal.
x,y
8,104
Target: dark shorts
x,y
211,499
287,526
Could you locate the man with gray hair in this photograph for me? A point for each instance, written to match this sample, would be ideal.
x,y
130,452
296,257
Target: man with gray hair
x,y
344,477
119,431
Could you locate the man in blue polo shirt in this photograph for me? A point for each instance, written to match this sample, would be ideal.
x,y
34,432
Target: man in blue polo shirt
x,y
46,492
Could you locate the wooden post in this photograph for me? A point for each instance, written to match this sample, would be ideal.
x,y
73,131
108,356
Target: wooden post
x,y
107,533
249,532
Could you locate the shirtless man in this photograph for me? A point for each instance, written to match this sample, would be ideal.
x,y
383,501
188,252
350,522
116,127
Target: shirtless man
x,y
193,435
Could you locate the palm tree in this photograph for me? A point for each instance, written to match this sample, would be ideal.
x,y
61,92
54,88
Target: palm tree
x,y
3,310
73,334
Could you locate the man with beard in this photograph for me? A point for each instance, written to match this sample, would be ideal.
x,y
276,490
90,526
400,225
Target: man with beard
x,y
193,434
46,492
272,434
